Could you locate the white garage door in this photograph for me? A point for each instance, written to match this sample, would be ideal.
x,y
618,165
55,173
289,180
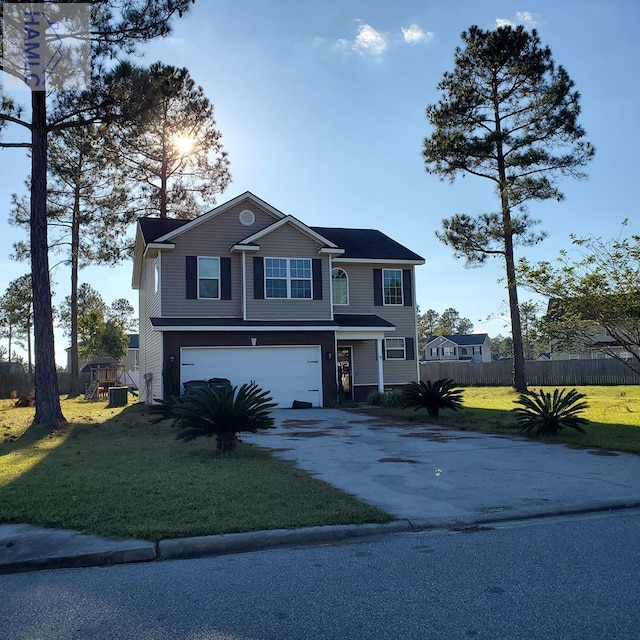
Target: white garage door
x,y
289,373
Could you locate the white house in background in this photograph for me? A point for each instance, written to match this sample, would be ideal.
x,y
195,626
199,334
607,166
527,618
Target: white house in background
x,y
472,347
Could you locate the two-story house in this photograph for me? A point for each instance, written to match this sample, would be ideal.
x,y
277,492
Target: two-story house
x,y
246,292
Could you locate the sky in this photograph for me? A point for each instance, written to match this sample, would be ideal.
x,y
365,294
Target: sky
x,y
321,107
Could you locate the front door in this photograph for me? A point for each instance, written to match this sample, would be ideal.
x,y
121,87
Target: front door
x,y
345,373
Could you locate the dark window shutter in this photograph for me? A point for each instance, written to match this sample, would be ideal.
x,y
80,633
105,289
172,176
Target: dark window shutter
x,y
406,287
225,278
377,288
192,277
384,344
316,270
409,348
258,278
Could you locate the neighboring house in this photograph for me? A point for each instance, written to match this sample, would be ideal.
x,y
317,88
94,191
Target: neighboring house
x,y
590,341
600,346
463,348
246,292
129,362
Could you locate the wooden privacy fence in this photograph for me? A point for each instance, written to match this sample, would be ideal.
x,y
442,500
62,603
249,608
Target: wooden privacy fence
x,y
22,383
538,373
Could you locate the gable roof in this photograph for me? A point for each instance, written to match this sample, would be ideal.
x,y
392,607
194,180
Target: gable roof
x,y
367,244
294,222
153,228
358,244
465,340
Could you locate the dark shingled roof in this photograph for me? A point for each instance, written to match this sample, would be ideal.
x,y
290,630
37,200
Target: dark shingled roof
x,y
366,243
153,228
463,340
357,243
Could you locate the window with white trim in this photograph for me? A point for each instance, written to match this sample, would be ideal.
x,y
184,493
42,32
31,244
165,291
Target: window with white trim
x,y
156,275
394,349
449,351
209,278
477,351
392,286
287,278
433,351
340,284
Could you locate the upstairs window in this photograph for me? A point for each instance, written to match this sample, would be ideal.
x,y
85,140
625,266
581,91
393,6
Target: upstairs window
x,y
288,278
209,278
392,286
340,284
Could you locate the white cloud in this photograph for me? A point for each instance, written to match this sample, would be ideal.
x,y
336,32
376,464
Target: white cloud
x,y
369,41
413,34
525,18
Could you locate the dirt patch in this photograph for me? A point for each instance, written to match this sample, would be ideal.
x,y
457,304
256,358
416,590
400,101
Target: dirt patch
x,y
435,437
308,434
602,452
398,460
292,424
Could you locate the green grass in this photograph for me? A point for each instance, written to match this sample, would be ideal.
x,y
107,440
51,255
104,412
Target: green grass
x,y
111,472
613,414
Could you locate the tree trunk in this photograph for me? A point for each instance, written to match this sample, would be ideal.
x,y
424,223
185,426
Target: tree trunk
x,y
74,390
48,411
29,359
518,380
518,377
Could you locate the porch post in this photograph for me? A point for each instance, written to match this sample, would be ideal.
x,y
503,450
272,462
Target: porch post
x,y
380,368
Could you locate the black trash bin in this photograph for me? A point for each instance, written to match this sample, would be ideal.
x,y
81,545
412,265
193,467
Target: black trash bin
x,y
192,385
219,383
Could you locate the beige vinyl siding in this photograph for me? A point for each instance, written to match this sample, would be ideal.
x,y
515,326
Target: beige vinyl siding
x,y
288,242
403,318
213,238
150,340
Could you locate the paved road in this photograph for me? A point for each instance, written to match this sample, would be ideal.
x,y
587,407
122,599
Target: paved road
x,y
563,578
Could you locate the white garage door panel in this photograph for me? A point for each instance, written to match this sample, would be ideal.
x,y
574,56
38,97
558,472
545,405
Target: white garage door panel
x,y
289,373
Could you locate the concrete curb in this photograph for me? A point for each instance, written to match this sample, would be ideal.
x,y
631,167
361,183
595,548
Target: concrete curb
x,y
457,522
132,551
256,540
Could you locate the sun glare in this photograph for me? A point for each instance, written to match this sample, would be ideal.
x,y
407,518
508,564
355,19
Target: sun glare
x,y
184,144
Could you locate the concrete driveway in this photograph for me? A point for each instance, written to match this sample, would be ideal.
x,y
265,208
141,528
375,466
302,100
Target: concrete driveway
x,y
427,473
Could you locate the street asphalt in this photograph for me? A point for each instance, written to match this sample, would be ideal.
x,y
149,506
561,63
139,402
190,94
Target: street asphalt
x,y
427,476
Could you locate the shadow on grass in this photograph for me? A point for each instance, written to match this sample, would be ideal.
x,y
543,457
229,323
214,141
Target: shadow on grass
x,y
127,477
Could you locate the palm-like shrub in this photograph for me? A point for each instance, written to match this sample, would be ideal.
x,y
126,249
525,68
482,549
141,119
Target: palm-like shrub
x,y
433,396
223,412
545,414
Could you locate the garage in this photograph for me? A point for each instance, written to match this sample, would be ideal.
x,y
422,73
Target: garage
x,y
289,373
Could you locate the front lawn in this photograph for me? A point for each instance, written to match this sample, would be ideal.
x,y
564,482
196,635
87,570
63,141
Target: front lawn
x,y
613,414
110,472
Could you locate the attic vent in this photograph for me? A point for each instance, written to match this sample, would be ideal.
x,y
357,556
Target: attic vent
x,y
247,217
